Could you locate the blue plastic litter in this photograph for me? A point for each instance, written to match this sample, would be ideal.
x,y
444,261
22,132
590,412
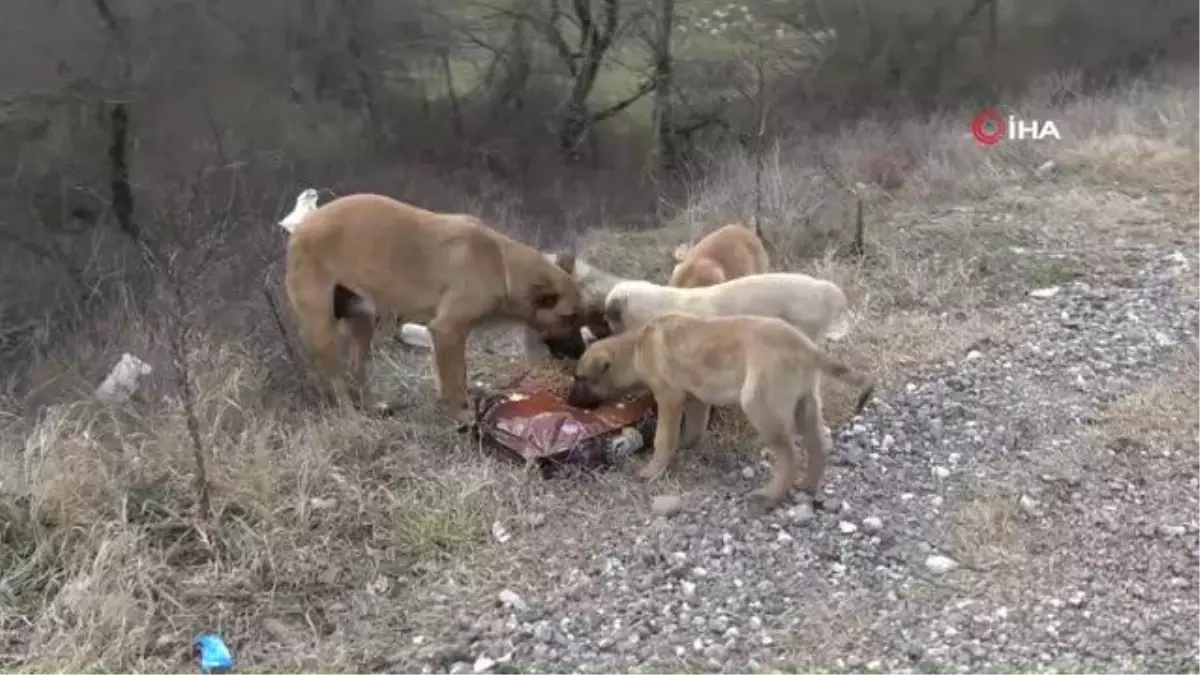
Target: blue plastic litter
x,y
212,654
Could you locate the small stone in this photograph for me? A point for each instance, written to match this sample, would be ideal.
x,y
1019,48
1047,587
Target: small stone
x,y
747,472
1043,293
277,629
784,537
500,533
872,523
666,505
940,472
483,664
801,513
847,527
1172,530
1028,504
688,588
322,503
974,354
940,564
1045,168
512,600
699,572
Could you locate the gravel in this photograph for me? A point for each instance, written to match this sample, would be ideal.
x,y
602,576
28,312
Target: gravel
x,y
978,528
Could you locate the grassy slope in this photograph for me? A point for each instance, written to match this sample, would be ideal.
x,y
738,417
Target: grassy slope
x,y
330,529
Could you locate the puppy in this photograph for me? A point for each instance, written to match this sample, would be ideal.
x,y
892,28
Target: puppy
x,y
763,364
364,255
730,252
815,306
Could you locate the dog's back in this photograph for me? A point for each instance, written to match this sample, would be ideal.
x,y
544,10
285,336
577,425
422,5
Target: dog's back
x,y
730,252
716,354
815,306
398,256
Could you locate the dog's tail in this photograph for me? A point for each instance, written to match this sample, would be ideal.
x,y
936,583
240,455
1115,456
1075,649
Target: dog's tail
x,y
845,373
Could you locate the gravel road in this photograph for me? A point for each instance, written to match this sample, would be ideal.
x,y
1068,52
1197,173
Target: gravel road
x,y
979,516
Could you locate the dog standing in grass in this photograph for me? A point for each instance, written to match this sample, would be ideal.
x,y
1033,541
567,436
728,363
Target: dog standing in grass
x,y
688,362
730,252
362,256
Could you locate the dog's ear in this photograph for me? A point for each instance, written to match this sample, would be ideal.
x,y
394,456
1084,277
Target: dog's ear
x,y
680,252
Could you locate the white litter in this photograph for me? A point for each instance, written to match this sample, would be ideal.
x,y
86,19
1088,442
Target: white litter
x,y
123,380
1043,293
416,335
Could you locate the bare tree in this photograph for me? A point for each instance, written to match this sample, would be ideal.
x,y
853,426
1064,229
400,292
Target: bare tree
x,y
582,37
118,147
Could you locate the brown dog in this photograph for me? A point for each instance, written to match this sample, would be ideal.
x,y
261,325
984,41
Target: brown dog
x,y
727,253
688,362
366,255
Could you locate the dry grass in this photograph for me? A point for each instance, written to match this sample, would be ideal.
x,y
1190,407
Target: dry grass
x,y
1161,415
985,532
105,564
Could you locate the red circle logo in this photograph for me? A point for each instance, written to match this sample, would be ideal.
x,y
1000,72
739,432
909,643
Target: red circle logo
x,y
985,118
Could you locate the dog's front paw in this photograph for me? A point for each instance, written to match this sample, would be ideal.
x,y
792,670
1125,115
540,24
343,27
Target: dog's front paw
x,y
814,501
765,500
462,415
651,472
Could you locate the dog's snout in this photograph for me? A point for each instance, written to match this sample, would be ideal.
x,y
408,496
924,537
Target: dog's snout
x,y
582,396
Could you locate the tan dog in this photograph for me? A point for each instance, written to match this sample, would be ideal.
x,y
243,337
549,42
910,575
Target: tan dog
x,y
366,255
763,364
729,252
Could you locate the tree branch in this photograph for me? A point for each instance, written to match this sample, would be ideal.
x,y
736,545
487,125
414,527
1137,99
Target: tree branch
x,y
645,88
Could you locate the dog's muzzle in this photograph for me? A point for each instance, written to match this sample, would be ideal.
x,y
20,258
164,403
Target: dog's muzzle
x,y
583,396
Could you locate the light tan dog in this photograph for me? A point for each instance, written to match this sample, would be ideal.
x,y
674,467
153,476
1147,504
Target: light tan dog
x,y
763,364
729,252
362,256
815,306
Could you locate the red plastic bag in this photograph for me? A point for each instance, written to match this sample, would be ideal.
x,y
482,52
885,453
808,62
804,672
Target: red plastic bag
x,y
543,429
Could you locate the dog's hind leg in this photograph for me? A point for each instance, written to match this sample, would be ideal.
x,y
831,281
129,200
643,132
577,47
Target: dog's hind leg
x,y
362,330
810,425
695,421
313,304
774,428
